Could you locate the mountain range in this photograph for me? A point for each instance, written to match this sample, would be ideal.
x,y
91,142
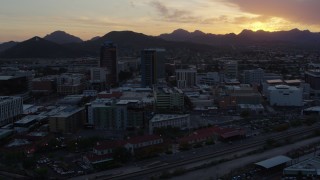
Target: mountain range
x,y
246,37
37,47
60,44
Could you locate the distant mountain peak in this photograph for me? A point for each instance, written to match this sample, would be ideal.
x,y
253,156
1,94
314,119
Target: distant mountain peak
x,y
177,35
7,45
246,31
61,37
95,38
36,38
198,33
37,47
295,30
180,31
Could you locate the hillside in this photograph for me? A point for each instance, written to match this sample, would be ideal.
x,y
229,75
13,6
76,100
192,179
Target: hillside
x,y
37,47
61,37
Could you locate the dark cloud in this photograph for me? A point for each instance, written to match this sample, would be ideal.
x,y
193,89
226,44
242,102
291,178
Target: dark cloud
x,y
174,15
301,11
222,19
236,20
132,4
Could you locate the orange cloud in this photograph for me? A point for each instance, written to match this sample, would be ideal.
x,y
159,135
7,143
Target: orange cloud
x,y
302,11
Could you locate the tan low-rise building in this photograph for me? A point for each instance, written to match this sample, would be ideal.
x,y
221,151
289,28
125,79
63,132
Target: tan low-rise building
x,y
67,119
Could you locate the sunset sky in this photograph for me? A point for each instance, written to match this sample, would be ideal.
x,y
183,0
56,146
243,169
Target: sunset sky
x,y
23,19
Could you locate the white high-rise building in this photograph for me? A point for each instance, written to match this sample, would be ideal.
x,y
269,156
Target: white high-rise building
x,y
186,78
283,95
231,69
98,75
10,107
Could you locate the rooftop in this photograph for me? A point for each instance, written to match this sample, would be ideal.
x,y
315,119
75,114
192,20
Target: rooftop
x,y
312,164
46,78
251,106
272,162
125,102
294,81
3,78
38,134
211,131
27,119
142,96
103,101
164,117
168,90
131,140
29,108
5,132
66,111
314,108
8,98
71,99
186,70
155,49
274,81
313,72
109,144
141,139
285,87
18,142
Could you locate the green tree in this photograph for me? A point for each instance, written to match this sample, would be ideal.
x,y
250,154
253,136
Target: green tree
x,y
184,146
311,120
121,154
13,157
188,104
28,163
41,173
124,75
210,141
245,114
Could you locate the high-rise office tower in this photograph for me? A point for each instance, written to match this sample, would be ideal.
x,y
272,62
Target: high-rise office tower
x,y
108,60
231,69
152,66
254,76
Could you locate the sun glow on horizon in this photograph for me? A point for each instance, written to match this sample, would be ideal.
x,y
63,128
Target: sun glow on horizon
x,y
271,25
260,26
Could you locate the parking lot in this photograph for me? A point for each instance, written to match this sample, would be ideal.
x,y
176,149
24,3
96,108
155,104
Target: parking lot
x,y
64,168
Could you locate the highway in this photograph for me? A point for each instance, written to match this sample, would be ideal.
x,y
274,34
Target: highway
x,y
259,142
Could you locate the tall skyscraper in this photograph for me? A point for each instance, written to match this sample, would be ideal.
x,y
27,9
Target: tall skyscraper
x,y
152,66
108,60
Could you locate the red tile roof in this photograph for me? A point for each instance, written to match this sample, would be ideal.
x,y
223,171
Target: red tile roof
x,y
195,137
206,133
134,140
94,157
109,144
141,139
